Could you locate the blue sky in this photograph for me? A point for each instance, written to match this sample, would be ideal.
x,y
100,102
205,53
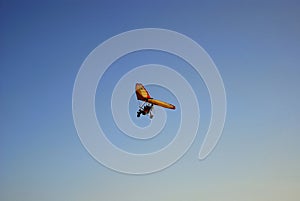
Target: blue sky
x,y
255,45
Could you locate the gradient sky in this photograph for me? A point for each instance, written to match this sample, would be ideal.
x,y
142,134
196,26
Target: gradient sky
x,y
255,45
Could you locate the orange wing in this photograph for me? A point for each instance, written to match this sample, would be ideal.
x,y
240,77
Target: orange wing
x,y
161,103
141,93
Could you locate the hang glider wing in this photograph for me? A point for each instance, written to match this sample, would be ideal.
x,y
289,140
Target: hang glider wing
x,y
161,103
141,93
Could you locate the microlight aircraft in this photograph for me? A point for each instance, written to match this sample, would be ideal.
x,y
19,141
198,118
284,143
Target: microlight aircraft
x,y
148,102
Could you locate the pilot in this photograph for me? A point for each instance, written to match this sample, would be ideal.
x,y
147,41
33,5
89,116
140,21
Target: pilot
x,y
145,110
